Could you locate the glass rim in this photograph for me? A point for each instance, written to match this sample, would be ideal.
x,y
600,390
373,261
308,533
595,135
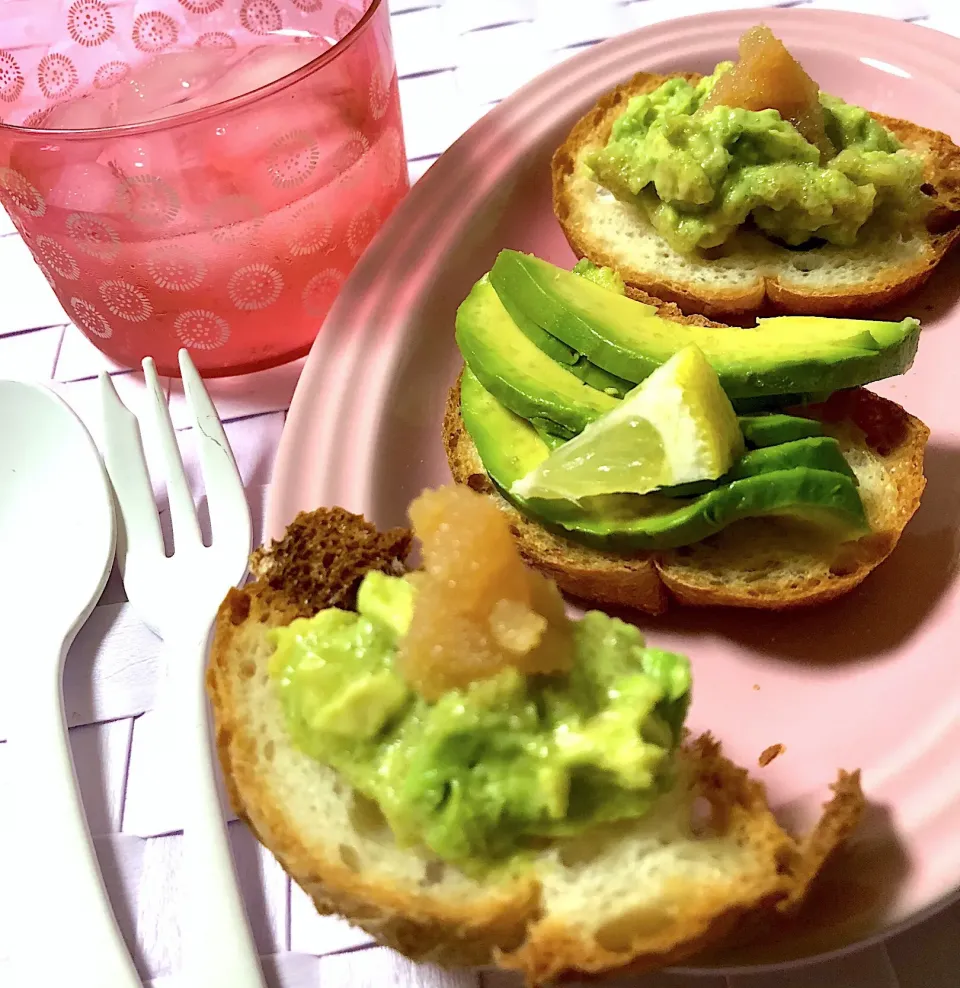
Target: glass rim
x,y
192,116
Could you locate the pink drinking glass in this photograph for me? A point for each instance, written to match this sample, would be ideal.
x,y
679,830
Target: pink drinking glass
x,y
227,228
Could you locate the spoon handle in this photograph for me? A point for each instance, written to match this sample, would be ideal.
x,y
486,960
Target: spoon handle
x,y
217,943
68,934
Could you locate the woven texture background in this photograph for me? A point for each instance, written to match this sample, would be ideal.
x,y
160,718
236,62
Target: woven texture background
x,y
456,59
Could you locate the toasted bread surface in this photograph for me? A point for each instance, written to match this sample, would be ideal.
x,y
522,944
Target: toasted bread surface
x,y
751,273
763,563
637,895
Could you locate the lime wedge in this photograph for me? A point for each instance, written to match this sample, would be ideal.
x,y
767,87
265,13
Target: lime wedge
x,y
675,427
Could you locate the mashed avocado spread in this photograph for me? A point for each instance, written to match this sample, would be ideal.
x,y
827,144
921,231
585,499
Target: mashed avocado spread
x,y
482,772
604,277
701,174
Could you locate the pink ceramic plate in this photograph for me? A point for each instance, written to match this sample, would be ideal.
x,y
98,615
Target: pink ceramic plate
x,y
872,681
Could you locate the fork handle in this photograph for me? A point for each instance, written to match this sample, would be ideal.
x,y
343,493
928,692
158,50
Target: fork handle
x,y
217,944
67,932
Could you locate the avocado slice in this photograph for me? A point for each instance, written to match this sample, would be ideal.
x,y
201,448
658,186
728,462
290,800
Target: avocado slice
x,y
824,497
600,379
556,350
501,436
510,447
543,431
627,339
694,489
517,373
816,452
550,345
517,283
770,430
868,333
773,403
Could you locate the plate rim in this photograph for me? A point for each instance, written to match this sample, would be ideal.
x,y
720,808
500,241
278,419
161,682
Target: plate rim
x,y
331,359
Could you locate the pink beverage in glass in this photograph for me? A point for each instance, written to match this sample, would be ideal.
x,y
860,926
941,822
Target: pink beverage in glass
x,y
203,174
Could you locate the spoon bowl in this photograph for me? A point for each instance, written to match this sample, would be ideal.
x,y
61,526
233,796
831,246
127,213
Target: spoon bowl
x,y
58,536
54,495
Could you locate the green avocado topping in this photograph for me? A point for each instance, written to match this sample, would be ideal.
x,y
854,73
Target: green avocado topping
x,y
486,772
699,176
604,277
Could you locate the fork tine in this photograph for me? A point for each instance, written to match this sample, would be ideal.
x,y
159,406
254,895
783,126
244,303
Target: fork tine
x,y
127,468
226,498
183,515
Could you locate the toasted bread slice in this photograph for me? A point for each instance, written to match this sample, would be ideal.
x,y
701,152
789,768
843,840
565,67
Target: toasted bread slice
x,y
641,894
763,563
751,273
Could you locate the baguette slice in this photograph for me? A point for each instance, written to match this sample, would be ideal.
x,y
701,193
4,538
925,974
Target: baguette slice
x,y
638,895
762,563
750,273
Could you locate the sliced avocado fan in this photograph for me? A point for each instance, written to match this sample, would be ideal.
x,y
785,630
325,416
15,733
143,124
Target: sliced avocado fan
x,y
549,351
806,478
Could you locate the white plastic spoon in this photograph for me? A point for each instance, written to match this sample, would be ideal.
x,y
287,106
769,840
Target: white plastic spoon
x,y
57,537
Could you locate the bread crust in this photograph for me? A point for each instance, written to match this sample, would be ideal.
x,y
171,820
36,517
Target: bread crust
x,y
502,919
649,581
771,291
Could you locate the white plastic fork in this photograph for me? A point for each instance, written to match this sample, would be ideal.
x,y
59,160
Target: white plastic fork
x,y
177,597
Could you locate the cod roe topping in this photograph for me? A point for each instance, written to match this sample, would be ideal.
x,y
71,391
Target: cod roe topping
x,y
768,77
478,608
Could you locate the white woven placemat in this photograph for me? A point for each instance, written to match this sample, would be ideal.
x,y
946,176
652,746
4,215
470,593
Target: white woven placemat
x,y
456,59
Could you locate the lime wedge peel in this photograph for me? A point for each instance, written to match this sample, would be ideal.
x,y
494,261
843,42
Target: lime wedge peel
x,y
677,426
